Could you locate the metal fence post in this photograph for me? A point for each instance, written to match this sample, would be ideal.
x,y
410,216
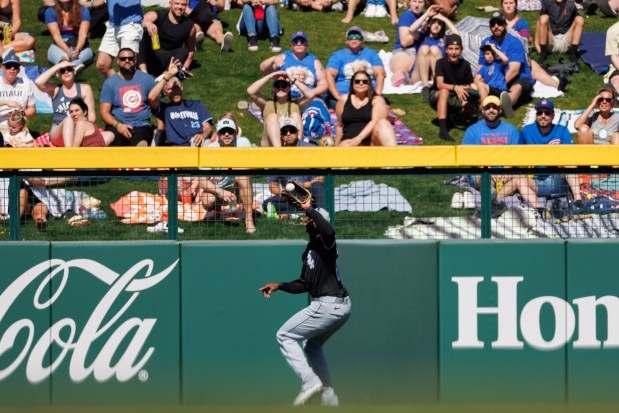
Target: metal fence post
x,y
14,208
486,205
330,196
172,207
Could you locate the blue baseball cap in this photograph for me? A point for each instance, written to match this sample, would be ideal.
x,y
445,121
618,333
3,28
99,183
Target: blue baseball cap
x,y
298,35
10,57
545,103
354,29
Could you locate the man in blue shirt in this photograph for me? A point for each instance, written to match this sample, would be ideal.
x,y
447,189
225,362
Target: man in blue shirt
x,y
544,132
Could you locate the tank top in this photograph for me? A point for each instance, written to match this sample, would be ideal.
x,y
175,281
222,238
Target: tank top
x,y
95,139
60,104
6,13
354,120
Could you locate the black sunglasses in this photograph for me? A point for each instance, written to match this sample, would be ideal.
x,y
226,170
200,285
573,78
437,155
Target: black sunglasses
x,y
126,58
288,130
544,112
491,106
65,70
607,100
497,23
362,81
12,66
281,84
228,131
299,41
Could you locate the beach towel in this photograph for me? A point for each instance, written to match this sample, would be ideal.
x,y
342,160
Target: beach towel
x,y
404,136
562,117
145,208
529,5
592,51
388,88
368,196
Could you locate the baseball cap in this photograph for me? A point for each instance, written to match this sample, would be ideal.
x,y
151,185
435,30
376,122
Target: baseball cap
x,y
354,29
453,39
226,123
298,35
491,100
497,18
284,122
545,103
10,57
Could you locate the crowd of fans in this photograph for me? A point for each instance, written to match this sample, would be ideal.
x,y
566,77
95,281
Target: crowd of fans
x,y
153,52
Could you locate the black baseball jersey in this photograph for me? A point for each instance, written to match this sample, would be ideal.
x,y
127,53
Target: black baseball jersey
x,y
320,275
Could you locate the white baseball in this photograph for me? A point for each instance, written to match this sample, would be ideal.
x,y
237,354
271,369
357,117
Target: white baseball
x,y
290,187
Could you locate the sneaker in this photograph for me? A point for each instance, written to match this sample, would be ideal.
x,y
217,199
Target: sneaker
x,y
225,45
468,200
306,394
457,200
381,12
497,209
339,7
329,398
275,47
563,81
200,41
79,69
253,43
425,92
370,10
506,104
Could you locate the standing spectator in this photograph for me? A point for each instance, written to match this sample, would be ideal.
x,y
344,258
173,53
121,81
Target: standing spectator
x,y
69,24
187,122
10,13
124,103
202,13
454,90
559,29
599,126
177,38
344,63
124,30
259,19
16,93
518,75
61,133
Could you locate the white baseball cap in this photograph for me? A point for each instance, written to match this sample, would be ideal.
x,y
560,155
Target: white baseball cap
x,y
226,123
288,122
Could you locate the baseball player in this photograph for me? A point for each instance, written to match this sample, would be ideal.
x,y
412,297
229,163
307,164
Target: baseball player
x,y
329,309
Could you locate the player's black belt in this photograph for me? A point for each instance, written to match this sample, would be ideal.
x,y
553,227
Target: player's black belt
x,y
331,299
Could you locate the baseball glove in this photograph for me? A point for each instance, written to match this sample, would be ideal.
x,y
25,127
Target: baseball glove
x,y
295,194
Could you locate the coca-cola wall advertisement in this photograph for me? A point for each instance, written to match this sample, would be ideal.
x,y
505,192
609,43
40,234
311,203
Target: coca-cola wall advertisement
x,y
90,323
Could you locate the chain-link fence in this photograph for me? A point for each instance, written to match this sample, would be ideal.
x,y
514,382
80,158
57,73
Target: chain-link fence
x,y
413,203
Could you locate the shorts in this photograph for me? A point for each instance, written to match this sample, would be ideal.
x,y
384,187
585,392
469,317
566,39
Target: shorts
x,y
140,133
560,43
548,185
410,52
453,103
494,91
526,85
120,37
203,15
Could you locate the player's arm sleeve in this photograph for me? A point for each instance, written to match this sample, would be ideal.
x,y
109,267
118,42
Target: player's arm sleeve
x,y
327,233
293,287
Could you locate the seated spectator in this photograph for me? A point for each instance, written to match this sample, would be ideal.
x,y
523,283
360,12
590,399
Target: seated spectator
x,y
259,19
558,30
61,133
544,132
362,116
98,14
345,62
490,77
177,38
124,103
16,93
612,50
19,135
226,190
373,8
432,48
204,17
599,126
187,121
280,105
10,14
318,5
409,35
69,23
30,204
290,138
86,133
453,90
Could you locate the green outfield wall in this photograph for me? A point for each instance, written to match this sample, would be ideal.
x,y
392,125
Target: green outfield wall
x,y
169,323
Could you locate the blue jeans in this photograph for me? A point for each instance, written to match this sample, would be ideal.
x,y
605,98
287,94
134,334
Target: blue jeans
x,y
249,26
55,53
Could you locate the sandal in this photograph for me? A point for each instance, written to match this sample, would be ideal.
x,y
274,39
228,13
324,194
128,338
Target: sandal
x,y
242,105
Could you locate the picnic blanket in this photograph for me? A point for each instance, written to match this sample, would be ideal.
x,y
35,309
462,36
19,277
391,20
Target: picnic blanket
x,y
562,117
592,51
368,196
403,135
145,208
388,88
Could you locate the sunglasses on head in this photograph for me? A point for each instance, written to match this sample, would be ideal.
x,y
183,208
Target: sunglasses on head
x,y
289,130
126,58
362,81
12,66
299,41
65,70
544,112
354,36
607,100
491,106
227,131
280,84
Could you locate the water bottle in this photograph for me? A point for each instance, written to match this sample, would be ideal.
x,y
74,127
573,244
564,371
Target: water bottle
x,y
155,41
